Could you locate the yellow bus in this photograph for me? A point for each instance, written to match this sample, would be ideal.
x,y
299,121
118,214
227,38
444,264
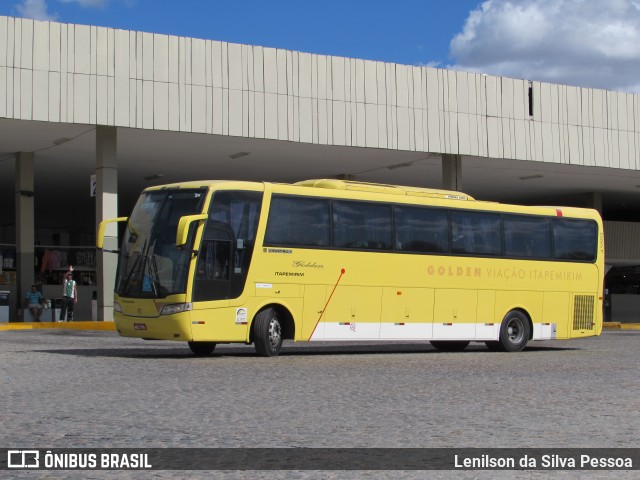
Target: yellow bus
x,y
229,261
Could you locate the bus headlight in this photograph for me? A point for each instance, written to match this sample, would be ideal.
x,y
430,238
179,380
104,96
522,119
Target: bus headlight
x,y
176,308
117,307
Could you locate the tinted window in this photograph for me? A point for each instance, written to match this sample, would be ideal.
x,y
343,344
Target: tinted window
x,y
298,221
361,225
227,245
575,239
421,230
527,237
476,233
150,264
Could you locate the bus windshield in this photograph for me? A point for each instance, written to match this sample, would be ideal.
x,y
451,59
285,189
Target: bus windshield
x,y
150,264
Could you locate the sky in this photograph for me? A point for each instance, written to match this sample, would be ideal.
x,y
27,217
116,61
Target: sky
x,y
589,43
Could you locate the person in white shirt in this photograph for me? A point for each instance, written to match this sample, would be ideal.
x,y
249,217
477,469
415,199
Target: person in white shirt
x,y
70,296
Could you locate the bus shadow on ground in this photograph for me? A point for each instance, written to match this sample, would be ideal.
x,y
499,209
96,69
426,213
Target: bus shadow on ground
x,y
288,351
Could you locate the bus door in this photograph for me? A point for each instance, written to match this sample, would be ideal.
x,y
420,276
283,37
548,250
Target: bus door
x,y
215,261
227,245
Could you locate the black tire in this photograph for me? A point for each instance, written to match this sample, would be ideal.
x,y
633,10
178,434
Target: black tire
x,y
514,332
202,348
267,333
450,345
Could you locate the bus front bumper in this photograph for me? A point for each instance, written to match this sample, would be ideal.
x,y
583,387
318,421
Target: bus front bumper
x,y
165,327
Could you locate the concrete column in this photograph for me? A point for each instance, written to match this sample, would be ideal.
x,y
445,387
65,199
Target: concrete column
x,y
25,228
452,172
594,200
106,207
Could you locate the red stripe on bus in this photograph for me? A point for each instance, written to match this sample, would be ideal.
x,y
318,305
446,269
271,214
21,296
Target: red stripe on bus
x,y
342,271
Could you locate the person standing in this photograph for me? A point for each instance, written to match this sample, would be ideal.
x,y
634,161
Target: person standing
x,y
70,296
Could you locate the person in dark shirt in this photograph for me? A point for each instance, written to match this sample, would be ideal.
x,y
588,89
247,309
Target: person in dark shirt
x,y
33,301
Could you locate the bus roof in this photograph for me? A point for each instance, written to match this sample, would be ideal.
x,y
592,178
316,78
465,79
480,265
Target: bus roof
x,y
203,184
383,188
398,190
354,186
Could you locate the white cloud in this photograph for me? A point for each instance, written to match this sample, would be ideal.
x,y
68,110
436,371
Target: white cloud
x,y
88,3
36,9
577,42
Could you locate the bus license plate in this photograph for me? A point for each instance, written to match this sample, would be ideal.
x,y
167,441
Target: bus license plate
x,y
139,326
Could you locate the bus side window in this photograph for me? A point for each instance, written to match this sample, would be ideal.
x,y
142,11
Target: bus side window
x,y
527,236
298,221
420,229
575,239
361,225
476,233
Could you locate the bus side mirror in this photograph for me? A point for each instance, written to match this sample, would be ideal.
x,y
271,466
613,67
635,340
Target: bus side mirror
x,y
183,227
103,226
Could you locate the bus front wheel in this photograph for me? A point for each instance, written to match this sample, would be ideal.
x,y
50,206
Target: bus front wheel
x,y
267,333
514,332
450,346
202,348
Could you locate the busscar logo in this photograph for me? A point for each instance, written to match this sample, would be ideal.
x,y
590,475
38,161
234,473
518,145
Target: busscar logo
x,y
277,250
23,459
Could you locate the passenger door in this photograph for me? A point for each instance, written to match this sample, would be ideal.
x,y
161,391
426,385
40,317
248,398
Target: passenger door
x,y
215,261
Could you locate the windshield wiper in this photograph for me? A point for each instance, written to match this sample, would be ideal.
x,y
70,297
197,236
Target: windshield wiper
x,y
155,278
129,276
159,290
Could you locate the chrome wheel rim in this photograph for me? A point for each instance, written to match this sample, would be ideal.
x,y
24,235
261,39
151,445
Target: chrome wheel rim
x,y
515,331
275,332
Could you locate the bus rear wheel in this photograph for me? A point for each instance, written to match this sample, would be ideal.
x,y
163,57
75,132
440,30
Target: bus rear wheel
x,y
267,333
514,332
202,348
450,346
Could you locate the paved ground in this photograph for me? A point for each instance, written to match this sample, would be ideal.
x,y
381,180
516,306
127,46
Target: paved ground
x,y
65,388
